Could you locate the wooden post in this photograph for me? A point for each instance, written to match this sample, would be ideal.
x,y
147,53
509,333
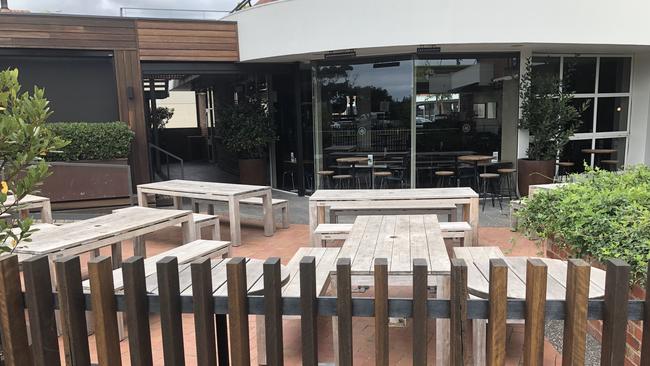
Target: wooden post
x,y
420,314
171,320
204,325
102,295
645,344
460,351
137,311
309,311
344,311
238,312
536,276
273,312
40,307
381,312
615,313
575,323
73,311
12,319
496,328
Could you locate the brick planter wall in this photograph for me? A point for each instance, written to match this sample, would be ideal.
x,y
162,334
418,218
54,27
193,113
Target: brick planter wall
x,y
594,327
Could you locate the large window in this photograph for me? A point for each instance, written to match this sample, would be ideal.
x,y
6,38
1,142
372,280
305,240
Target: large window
x,y
604,83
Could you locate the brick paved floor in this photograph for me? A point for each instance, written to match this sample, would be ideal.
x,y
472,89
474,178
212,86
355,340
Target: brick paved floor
x,y
284,244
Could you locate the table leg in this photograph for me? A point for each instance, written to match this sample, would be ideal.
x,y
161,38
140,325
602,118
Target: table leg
x,y
442,325
235,227
46,212
142,199
139,247
178,202
116,254
269,221
472,219
189,230
260,336
478,341
313,222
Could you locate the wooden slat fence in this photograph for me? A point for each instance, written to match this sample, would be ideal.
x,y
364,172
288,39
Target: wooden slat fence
x,y
213,332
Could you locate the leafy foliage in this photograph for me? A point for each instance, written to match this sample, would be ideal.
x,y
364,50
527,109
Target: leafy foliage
x,y
92,141
603,215
547,113
159,117
24,141
246,128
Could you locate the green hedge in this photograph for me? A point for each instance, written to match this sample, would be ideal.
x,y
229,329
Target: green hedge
x,y
603,215
92,141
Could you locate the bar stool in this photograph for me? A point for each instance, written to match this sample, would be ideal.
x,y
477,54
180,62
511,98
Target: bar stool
x,y
611,165
509,175
342,181
491,180
325,177
563,170
443,176
382,177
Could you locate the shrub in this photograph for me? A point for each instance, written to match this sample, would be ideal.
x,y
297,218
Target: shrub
x,y
92,141
246,129
602,215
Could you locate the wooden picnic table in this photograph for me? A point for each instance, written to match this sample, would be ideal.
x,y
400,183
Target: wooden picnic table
x,y
462,196
221,192
32,202
88,235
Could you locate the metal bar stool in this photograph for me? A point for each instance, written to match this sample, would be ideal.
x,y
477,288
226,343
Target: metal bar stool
x,y
444,178
325,177
611,165
382,177
564,168
490,180
342,181
508,174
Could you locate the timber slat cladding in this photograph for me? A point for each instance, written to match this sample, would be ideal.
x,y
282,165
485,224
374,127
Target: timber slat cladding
x,y
70,32
165,40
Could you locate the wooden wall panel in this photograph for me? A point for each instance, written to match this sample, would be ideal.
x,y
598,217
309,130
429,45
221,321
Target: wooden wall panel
x,y
68,32
130,98
177,40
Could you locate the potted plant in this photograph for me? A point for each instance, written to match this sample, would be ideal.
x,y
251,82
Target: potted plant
x,y
247,129
547,112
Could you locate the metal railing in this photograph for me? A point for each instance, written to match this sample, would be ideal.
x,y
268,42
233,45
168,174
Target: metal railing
x,y
134,12
157,163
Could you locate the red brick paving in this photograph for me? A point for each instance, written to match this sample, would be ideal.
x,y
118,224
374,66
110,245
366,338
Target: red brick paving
x,y
284,244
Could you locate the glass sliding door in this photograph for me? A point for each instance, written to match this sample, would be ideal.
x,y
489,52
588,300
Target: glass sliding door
x,y
362,123
464,106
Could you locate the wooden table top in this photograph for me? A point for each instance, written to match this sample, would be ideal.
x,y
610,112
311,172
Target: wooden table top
x,y
399,239
353,159
101,227
28,200
177,187
599,151
478,275
475,158
393,194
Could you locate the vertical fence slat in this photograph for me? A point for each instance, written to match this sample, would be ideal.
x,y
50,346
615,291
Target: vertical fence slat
x,y
137,312
536,276
309,311
171,320
496,327
273,312
575,323
344,311
420,320
204,325
40,307
238,312
73,311
102,295
460,349
12,309
645,343
615,313
381,312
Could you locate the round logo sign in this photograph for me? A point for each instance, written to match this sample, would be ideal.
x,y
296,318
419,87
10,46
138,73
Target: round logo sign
x,y
362,131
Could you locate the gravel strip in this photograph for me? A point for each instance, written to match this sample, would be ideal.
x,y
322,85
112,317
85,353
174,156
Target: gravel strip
x,y
554,332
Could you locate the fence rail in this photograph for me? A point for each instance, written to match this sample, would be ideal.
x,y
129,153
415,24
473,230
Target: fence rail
x,y
220,321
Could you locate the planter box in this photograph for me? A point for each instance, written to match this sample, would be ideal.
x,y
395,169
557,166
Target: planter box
x,y
594,327
88,183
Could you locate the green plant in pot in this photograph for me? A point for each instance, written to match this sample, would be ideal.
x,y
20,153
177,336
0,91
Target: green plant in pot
x,y
246,130
550,117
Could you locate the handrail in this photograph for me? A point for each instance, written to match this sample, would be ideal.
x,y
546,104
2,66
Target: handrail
x,y
168,155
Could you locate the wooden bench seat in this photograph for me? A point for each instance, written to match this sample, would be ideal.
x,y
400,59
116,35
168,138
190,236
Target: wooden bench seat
x,y
277,203
325,264
456,230
325,232
390,207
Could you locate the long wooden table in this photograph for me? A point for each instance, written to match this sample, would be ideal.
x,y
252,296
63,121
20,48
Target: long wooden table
x,y
462,196
88,235
32,202
221,192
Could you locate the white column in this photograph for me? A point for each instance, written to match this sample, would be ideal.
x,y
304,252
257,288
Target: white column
x,y
522,136
638,150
